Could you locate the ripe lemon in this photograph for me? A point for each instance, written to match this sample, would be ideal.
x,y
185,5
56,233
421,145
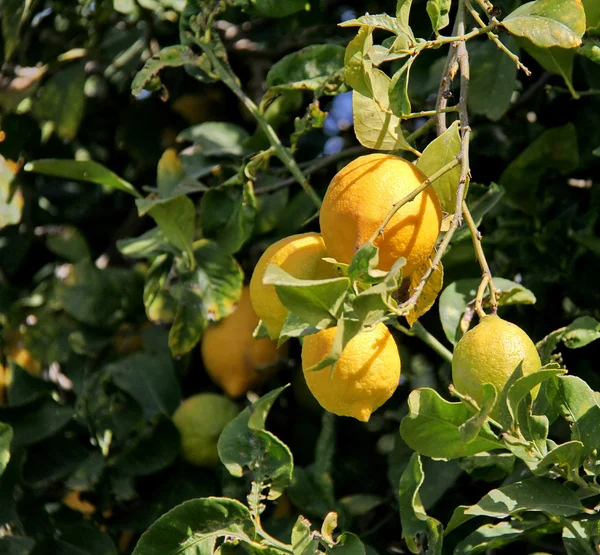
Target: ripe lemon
x,y
73,500
300,256
489,353
364,377
232,357
16,351
361,195
200,420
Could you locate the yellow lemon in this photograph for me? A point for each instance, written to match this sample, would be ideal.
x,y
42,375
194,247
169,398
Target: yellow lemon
x,y
200,421
73,500
364,377
489,353
300,256
16,351
232,357
361,195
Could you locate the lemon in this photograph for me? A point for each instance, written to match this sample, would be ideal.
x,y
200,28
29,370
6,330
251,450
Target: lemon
x,y
300,256
73,500
489,353
16,351
364,377
361,195
200,420
232,357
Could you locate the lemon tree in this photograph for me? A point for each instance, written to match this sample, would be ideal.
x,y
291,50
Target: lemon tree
x,y
290,278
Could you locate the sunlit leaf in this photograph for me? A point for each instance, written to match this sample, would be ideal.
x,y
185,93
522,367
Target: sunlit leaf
x,y
548,22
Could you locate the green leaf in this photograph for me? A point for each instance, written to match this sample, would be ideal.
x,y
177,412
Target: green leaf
x,y
62,101
456,297
566,456
317,302
439,13
90,295
207,293
579,333
193,526
398,93
6,435
556,60
35,421
437,154
518,390
548,22
82,170
171,56
471,428
397,25
215,138
275,8
11,200
307,69
493,78
151,243
413,518
303,542
14,13
67,242
403,13
490,537
140,457
592,16
590,49
375,125
16,545
579,406
532,494
150,380
227,215
432,427
245,443
356,65
176,219
581,537
85,539
189,323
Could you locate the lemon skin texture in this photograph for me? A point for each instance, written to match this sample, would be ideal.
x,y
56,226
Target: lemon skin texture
x,y
489,353
233,359
301,256
200,420
364,377
361,195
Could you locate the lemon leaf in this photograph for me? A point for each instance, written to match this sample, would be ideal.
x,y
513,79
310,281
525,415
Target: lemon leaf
x,y
548,22
438,153
430,291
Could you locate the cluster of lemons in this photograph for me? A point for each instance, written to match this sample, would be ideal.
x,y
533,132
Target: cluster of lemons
x,y
366,375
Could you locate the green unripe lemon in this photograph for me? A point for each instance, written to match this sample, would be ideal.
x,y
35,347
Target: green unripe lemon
x,y
200,420
489,353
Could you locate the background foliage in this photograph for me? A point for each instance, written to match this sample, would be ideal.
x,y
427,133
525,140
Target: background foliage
x,y
109,307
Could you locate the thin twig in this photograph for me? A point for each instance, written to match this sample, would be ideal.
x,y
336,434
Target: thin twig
x,y
485,269
282,153
411,196
494,37
444,89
